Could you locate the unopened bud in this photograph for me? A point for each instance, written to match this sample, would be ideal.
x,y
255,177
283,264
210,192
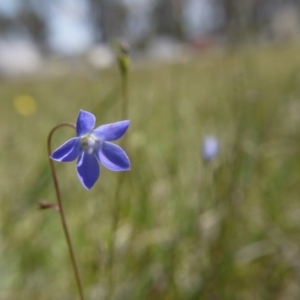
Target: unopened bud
x,y
123,49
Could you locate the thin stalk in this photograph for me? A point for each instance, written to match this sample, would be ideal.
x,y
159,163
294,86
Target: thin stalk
x,y
124,69
124,96
124,99
61,210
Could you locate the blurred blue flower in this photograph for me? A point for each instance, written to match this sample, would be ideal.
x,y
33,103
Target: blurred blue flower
x,y
210,147
93,146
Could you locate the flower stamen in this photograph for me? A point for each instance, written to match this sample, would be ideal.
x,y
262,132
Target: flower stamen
x,y
90,143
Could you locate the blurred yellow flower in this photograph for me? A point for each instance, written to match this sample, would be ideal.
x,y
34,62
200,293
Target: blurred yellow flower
x,y
25,105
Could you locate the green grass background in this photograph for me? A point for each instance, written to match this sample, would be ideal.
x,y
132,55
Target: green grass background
x,y
180,228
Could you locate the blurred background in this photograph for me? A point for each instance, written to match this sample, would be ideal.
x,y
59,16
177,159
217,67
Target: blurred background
x,y
32,31
210,208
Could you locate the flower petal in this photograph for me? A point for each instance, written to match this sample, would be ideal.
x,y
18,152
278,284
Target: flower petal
x,y
85,122
111,132
67,151
113,157
88,169
210,147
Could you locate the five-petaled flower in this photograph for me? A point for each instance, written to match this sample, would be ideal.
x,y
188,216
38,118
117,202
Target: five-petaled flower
x,y
93,146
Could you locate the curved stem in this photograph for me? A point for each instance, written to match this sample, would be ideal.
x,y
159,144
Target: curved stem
x,y
61,210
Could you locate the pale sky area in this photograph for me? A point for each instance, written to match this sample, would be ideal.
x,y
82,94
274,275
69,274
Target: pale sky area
x,y
69,30
9,7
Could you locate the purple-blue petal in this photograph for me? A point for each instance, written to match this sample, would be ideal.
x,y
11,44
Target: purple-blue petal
x,y
113,157
85,122
67,151
111,132
88,169
210,147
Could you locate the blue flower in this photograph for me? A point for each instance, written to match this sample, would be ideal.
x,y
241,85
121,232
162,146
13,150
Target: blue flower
x,y
93,146
210,148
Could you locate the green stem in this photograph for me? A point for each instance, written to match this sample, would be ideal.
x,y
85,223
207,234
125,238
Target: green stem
x,y
61,211
125,101
120,181
124,96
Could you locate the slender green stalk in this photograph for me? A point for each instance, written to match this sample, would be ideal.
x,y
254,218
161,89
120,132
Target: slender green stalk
x,y
124,66
123,60
124,96
61,210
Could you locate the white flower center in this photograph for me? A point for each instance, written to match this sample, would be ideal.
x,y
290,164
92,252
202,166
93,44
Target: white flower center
x,y
90,143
